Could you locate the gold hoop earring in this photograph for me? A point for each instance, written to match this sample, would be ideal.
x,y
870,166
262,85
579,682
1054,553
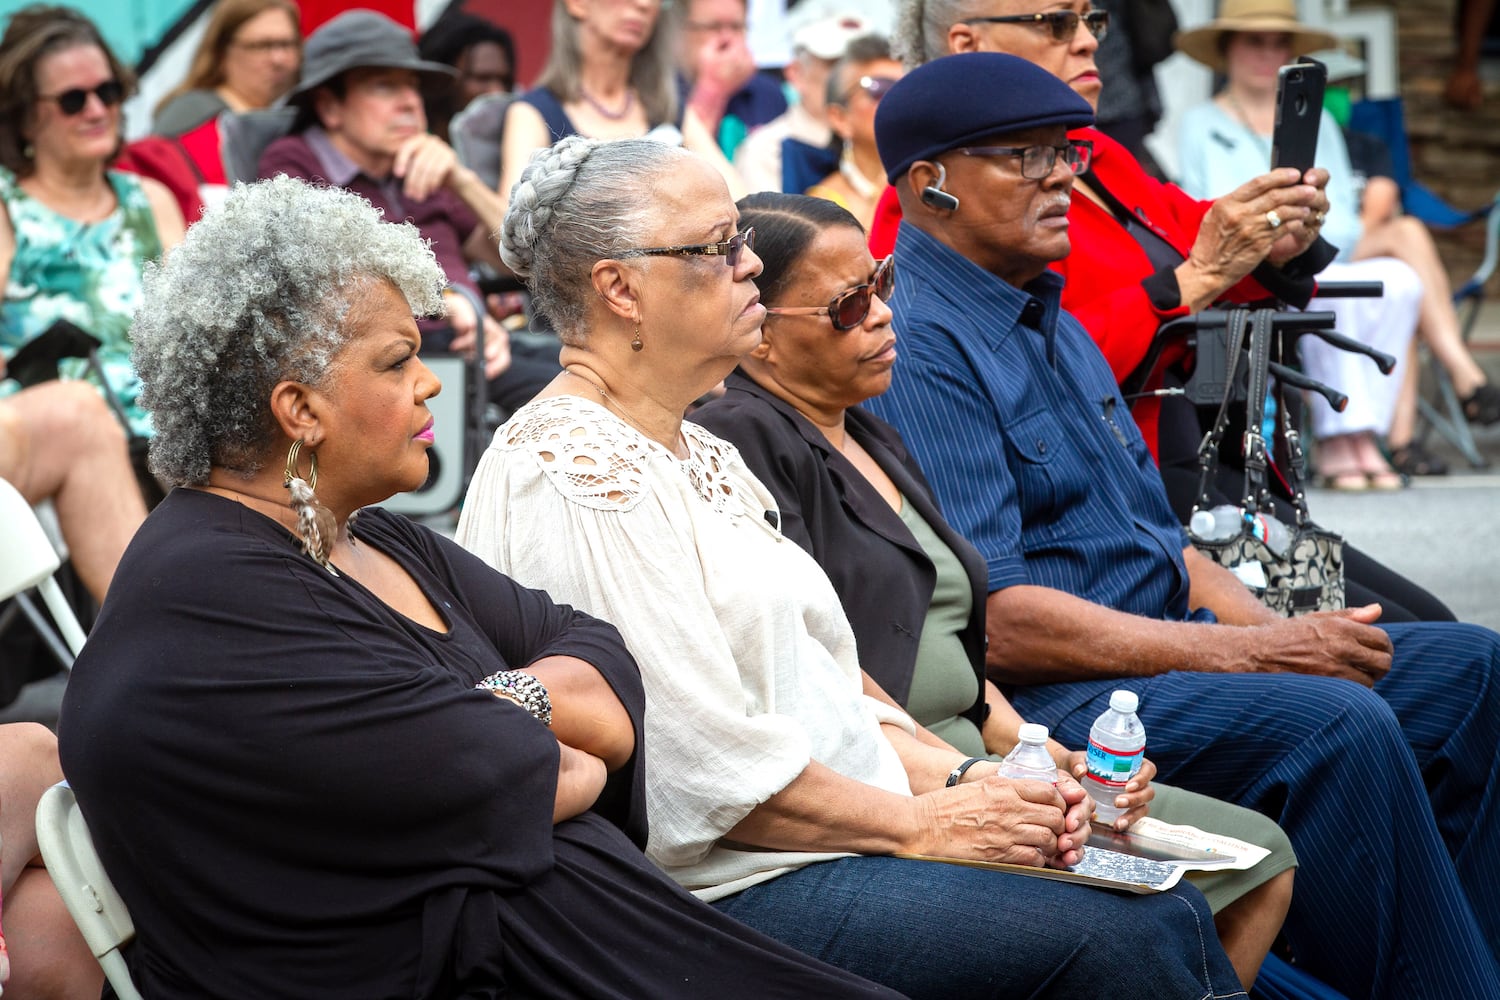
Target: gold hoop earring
x,y
636,345
315,523
291,466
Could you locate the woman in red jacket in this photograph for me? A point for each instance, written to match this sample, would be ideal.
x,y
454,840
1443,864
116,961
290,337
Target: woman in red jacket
x,y
1145,252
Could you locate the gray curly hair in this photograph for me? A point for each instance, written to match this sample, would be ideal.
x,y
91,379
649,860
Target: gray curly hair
x,y
921,33
578,202
255,294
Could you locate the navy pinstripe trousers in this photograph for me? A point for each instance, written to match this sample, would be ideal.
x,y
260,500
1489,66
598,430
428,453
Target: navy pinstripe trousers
x,y
1391,798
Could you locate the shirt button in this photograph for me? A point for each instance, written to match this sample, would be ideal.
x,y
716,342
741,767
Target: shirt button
x,y
1031,315
1041,446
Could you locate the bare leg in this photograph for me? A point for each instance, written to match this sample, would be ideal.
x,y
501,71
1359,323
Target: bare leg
x,y
1404,419
59,440
1248,926
48,957
1407,239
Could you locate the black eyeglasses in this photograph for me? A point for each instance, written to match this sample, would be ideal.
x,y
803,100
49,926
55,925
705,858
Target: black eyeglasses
x,y
850,307
875,87
71,102
729,249
1063,24
1037,161
265,46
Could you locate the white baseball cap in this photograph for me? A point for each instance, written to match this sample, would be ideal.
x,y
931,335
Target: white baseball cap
x,y
827,37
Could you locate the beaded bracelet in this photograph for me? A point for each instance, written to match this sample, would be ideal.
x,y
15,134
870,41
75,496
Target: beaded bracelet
x,y
522,688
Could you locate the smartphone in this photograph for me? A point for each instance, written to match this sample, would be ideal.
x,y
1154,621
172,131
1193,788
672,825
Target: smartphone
x,y
1299,109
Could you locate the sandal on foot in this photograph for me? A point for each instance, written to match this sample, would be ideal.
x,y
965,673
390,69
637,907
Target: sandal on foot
x,y
1482,406
1345,482
1414,459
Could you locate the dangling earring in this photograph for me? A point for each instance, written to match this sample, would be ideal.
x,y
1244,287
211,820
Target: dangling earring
x,y
636,345
315,523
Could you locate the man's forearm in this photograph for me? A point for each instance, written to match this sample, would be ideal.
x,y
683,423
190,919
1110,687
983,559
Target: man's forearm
x,y
482,200
1213,587
1039,635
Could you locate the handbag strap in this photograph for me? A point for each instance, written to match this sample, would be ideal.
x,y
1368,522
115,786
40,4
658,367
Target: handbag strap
x,y
1256,495
1295,472
1235,321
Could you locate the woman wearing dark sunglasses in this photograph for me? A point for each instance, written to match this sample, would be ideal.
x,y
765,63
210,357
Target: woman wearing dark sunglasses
x,y
74,235
851,495
855,88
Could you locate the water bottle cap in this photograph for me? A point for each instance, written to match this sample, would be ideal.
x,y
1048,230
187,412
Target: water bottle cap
x,y
1033,732
1125,701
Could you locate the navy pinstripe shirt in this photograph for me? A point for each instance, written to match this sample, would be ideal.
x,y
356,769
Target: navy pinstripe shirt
x,y
1013,413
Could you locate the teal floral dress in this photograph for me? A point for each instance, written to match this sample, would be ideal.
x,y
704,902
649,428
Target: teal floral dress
x,y
87,273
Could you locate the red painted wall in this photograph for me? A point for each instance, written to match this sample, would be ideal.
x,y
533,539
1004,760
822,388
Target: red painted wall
x,y
529,21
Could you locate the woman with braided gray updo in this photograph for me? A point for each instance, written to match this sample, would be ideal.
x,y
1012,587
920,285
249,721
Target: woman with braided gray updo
x,y
392,771
778,787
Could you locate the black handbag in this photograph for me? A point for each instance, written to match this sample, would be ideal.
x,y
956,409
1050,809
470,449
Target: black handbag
x,y
1309,574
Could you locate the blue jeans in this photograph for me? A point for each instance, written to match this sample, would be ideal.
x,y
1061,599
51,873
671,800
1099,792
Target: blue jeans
x,y
947,932
1391,798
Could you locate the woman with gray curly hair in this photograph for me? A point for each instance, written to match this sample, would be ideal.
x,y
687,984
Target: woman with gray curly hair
x,y
781,778
374,766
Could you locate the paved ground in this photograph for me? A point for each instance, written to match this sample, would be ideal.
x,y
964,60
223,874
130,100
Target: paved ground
x,y
1442,532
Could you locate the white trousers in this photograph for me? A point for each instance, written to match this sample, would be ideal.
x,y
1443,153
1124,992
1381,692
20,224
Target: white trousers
x,y
1386,324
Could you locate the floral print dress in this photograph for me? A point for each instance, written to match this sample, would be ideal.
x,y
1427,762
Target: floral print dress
x,y
86,273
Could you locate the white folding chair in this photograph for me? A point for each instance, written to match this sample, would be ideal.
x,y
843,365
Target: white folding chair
x,y
86,890
28,562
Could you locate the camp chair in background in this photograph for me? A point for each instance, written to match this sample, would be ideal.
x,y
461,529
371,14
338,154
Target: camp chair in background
x,y
1385,118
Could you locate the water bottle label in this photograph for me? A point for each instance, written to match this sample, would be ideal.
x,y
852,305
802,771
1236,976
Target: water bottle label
x,y
1113,767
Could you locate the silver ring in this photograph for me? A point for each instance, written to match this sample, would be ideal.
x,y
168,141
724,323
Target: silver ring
x,y
1273,219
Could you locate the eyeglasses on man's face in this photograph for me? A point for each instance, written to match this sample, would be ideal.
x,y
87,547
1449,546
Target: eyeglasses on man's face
x,y
717,27
71,102
729,249
1062,24
849,308
1037,161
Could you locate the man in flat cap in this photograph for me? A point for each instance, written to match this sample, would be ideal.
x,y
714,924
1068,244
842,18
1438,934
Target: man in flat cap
x,y
1017,421
361,125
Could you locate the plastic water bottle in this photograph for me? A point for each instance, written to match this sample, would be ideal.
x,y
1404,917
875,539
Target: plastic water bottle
x,y
1117,744
1216,525
1030,759
1224,522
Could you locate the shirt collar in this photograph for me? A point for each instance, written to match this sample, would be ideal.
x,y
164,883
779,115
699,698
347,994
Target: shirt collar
x,y
1035,307
337,168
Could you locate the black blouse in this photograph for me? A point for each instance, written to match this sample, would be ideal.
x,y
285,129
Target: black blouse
x,y
883,577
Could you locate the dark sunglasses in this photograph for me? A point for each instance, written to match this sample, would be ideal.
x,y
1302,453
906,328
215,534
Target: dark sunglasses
x,y
1063,24
875,87
71,102
1037,161
850,307
729,249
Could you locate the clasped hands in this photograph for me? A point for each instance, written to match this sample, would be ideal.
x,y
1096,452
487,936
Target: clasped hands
x,y
989,818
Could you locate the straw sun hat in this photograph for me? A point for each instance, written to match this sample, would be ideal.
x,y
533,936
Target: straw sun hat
x,y
1202,43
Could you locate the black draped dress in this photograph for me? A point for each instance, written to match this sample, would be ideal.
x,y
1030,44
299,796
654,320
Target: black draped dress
x,y
299,792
